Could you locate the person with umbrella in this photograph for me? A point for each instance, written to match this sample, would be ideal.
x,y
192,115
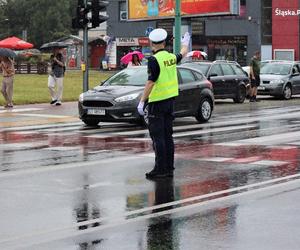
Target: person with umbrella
x,y
8,71
135,61
160,92
56,77
132,58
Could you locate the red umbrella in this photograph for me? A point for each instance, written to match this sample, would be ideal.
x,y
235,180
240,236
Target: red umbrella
x,y
128,57
197,54
15,43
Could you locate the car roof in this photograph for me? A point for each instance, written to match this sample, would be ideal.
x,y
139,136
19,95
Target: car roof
x,y
279,61
213,62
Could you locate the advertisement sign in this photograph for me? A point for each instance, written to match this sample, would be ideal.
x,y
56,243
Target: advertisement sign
x,y
127,41
158,9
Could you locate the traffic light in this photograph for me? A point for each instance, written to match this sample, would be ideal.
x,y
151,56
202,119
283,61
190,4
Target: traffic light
x,y
97,7
81,19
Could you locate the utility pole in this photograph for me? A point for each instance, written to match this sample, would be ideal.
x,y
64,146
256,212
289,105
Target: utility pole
x,y
177,27
85,67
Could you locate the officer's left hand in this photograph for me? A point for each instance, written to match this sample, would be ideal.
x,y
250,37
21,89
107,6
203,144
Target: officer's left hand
x,y
185,41
140,108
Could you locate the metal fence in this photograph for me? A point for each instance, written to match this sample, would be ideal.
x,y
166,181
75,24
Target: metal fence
x,y
29,68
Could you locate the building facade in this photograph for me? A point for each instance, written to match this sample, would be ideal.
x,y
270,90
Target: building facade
x,y
285,29
258,27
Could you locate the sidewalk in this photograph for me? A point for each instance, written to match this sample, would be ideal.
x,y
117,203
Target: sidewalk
x,y
37,114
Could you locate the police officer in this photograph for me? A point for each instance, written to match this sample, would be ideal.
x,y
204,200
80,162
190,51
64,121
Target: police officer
x,y
160,91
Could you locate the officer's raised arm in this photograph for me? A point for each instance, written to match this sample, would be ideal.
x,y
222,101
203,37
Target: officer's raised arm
x,y
185,41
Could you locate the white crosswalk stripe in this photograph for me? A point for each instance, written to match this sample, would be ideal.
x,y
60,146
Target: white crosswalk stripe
x,y
17,110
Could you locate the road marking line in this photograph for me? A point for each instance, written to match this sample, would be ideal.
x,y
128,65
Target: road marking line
x,y
201,132
25,145
52,168
265,140
214,130
269,163
46,116
13,125
20,110
201,201
246,159
215,159
37,127
63,148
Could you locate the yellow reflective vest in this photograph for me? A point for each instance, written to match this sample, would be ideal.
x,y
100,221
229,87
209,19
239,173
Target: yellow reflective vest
x,y
166,86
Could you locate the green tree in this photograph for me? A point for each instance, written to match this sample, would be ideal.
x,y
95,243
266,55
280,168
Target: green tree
x,y
44,20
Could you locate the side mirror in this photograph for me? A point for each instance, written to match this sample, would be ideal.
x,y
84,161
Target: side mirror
x,y
296,74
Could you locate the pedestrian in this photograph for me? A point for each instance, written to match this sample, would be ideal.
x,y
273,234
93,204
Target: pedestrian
x,y
8,71
56,77
254,75
160,92
135,61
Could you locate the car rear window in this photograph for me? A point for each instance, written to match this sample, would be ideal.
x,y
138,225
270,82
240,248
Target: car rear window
x,y
227,69
238,70
276,69
216,70
135,76
186,75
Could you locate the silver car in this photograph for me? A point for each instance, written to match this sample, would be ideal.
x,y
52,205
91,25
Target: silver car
x,y
280,78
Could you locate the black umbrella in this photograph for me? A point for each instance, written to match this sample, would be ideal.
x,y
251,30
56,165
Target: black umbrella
x,y
53,45
7,53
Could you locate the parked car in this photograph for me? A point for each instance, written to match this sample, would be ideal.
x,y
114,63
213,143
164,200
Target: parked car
x,y
262,63
228,78
280,78
117,98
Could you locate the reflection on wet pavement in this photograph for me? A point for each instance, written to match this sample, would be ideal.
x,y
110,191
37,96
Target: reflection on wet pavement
x,y
80,188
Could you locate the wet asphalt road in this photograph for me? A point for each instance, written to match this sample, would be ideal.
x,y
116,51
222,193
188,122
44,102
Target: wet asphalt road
x,y
236,185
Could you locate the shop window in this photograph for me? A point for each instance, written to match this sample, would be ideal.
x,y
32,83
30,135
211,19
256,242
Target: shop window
x,y
243,9
267,3
266,21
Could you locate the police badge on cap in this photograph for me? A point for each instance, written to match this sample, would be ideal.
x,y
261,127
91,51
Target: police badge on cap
x,y
158,35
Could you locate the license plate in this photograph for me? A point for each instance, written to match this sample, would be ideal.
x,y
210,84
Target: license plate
x,y
96,111
261,88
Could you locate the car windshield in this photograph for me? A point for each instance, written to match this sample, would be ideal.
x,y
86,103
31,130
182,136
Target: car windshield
x,y
276,69
135,76
203,67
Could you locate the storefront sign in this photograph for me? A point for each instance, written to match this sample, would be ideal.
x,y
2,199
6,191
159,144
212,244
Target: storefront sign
x,y
156,9
127,41
197,25
227,40
166,24
143,41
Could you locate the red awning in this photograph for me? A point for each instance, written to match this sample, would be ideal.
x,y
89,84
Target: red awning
x,y
15,43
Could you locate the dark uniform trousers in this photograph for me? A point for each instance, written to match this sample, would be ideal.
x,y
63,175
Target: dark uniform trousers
x,y
161,116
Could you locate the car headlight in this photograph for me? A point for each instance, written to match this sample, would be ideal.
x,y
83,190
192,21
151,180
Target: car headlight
x,y
80,99
126,98
277,81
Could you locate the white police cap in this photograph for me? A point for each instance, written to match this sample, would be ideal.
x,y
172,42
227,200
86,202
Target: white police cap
x,y
158,35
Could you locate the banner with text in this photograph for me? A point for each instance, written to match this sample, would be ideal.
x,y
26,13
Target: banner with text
x,y
158,9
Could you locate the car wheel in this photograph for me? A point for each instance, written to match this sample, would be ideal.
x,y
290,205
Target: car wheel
x,y
241,95
204,110
91,122
287,92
